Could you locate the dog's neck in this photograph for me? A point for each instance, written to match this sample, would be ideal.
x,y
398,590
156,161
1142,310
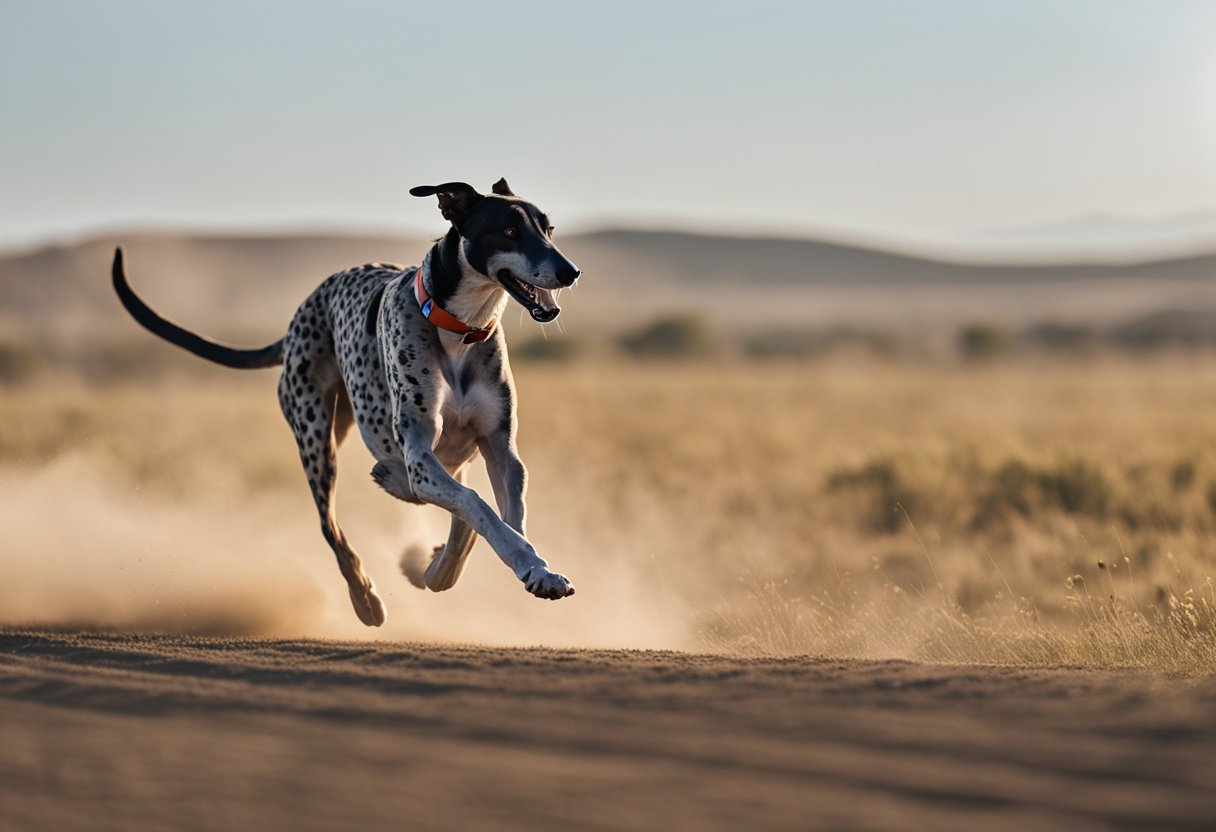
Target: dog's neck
x,y
457,287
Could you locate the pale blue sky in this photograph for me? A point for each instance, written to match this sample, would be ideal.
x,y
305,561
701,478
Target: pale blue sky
x,y
904,118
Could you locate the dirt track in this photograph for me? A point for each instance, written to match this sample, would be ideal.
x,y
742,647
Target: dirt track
x,y
127,732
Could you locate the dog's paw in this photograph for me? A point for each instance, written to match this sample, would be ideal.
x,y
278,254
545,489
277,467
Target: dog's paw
x,y
545,584
416,560
391,475
368,606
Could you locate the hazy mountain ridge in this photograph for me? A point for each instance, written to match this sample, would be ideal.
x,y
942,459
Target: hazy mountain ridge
x,y
248,286
801,261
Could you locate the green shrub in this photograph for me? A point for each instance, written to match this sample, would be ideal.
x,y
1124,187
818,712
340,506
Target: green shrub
x,y
18,363
885,489
674,336
1182,475
1071,486
1014,488
783,345
982,341
793,343
542,348
1062,337
1077,488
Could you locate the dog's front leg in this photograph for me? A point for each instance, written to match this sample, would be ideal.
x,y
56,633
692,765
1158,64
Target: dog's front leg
x,y
508,478
432,483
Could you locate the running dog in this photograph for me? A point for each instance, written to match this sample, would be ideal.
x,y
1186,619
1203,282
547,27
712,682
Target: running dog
x,y
415,358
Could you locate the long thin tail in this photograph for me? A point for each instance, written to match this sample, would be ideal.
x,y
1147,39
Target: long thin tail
x,y
270,356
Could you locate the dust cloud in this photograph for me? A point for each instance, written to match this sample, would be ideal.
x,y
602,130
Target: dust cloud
x,y
82,548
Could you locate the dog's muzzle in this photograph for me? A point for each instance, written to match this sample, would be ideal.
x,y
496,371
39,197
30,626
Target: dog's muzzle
x,y
538,301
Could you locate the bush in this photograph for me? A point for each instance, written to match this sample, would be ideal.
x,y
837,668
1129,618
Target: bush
x,y
783,345
1073,486
982,341
1077,488
791,344
1169,327
675,336
1014,488
1182,475
886,490
1062,337
18,363
542,348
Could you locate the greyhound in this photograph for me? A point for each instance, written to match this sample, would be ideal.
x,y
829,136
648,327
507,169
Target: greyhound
x,y
414,357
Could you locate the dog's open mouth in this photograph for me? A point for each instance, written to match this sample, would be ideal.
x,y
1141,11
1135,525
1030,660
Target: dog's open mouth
x,y
539,302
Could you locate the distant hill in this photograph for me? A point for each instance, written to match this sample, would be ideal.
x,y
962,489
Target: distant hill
x,y
784,261
247,287
231,284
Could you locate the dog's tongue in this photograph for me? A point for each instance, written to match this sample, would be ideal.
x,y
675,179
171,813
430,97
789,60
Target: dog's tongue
x,y
546,308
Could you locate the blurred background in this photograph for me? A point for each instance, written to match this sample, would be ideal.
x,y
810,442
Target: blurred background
x,y
897,334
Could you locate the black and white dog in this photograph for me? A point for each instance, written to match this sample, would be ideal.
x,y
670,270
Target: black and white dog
x,y
415,358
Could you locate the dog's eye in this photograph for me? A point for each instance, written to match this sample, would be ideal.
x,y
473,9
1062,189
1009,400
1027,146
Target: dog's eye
x,y
511,231
549,231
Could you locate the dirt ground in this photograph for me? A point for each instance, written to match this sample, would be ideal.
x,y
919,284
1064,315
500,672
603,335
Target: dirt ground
x,y
158,732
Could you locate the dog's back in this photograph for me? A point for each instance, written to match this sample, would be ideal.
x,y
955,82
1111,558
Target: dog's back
x,y
332,349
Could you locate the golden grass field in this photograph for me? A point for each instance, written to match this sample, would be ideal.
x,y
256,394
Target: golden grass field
x,y
1027,512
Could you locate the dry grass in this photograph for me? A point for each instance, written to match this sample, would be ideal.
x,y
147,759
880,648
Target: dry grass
x,y
1021,513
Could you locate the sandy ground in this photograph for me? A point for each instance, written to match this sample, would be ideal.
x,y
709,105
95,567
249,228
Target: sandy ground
x,y
143,732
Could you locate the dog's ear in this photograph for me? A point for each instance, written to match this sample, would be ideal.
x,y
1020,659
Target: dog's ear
x,y
456,199
502,188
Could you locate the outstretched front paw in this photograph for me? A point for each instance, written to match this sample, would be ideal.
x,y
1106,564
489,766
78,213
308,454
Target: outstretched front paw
x,y
545,584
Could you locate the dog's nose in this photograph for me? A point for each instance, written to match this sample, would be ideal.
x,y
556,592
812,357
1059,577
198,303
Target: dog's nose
x,y
566,275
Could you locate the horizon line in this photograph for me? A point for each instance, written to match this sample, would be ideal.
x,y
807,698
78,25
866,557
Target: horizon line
x,y
957,249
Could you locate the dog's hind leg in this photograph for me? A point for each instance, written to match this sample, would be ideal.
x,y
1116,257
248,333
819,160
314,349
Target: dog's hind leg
x,y
440,568
450,558
319,416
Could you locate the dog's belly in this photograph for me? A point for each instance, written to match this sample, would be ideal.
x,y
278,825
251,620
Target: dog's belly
x,y
456,447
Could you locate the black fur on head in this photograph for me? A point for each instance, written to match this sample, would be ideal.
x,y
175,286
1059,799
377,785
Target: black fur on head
x,y
503,238
456,199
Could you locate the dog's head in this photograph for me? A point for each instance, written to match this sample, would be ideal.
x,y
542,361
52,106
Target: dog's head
x,y
507,240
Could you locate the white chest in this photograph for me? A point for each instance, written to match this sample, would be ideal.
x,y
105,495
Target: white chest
x,y
478,409
468,403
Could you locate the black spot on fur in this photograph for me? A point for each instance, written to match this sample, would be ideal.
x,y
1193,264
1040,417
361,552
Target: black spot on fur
x,y
373,309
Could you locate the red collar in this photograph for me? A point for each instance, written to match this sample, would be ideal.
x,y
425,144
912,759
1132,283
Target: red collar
x,y
443,319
